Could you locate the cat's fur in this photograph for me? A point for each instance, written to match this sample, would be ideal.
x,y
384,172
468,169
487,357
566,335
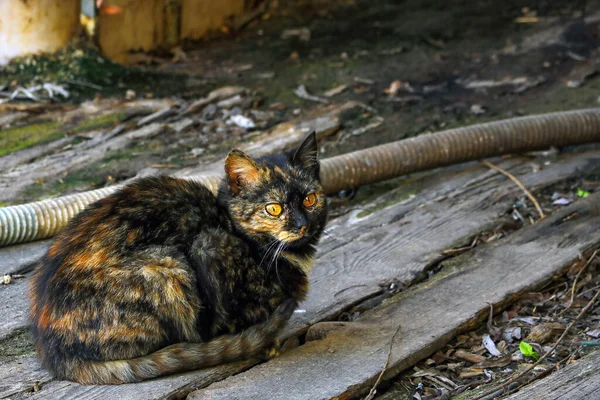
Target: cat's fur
x,y
163,276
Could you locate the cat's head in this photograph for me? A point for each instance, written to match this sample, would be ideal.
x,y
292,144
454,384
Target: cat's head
x,y
277,199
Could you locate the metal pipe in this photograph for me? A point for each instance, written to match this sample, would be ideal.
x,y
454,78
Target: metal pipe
x,y
44,219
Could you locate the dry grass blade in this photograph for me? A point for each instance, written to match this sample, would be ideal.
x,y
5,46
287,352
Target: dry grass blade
x,y
519,184
588,262
387,363
542,358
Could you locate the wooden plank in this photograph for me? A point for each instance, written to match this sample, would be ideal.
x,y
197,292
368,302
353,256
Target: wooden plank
x,y
17,259
20,177
29,154
580,380
368,248
13,307
20,375
48,161
452,206
173,387
345,360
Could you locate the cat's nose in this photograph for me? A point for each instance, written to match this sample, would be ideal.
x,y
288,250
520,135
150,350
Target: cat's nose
x,y
301,222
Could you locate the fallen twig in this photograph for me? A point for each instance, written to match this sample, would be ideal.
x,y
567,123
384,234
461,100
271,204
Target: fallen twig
x,y
542,358
588,262
303,94
387,363
519,184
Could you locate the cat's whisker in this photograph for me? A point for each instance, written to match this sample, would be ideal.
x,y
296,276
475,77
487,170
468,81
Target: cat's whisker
x,y
274,258
325,231
271,245
277,254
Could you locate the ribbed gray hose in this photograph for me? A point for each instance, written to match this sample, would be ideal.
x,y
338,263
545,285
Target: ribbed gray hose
x,y
517,135
45,218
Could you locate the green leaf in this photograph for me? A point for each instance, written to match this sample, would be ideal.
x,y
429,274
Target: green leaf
x,y
582,193
528,351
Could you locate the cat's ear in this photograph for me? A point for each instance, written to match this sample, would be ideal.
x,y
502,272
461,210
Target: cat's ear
x,y
241,171
306,154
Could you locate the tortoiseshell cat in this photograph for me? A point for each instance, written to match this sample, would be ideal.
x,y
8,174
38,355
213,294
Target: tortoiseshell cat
x,y
163,276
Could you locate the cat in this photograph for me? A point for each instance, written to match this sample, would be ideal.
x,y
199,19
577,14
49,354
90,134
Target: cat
x,y
163,276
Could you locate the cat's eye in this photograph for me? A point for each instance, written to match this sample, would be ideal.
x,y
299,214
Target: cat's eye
x,y
309,200
273,209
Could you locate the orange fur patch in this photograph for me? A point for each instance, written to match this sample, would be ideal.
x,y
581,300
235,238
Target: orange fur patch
x,y
131,236
241,170
45,318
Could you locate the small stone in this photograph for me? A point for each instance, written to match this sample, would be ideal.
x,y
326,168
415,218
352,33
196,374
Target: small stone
x,y
209,111
196,152
477,109
241,121
130,94
6,279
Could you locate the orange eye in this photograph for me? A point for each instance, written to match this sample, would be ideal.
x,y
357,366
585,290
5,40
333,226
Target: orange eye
x,y
273,209
309,200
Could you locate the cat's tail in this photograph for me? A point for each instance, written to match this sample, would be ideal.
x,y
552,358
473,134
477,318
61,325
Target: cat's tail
x,y
186,356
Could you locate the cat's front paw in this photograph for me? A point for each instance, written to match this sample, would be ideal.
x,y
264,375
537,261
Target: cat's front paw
x,y
272,351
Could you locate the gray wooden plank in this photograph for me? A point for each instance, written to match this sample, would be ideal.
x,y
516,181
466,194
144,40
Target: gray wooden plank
x,y
16,179
21,375
172,387
346,360
452,206
13,307
370,248
580,380
18,258
28,154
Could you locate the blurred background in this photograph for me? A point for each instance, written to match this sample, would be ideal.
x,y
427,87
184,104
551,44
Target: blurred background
x,y
79,77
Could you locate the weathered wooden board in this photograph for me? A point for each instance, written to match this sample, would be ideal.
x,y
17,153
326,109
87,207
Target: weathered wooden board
x,y
18,258
402,241
580,380
20,376
452,206
16,179
13,307
29,154
347,359
50,160
174,387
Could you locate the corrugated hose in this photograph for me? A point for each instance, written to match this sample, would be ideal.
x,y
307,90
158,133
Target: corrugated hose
x,y
45,218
